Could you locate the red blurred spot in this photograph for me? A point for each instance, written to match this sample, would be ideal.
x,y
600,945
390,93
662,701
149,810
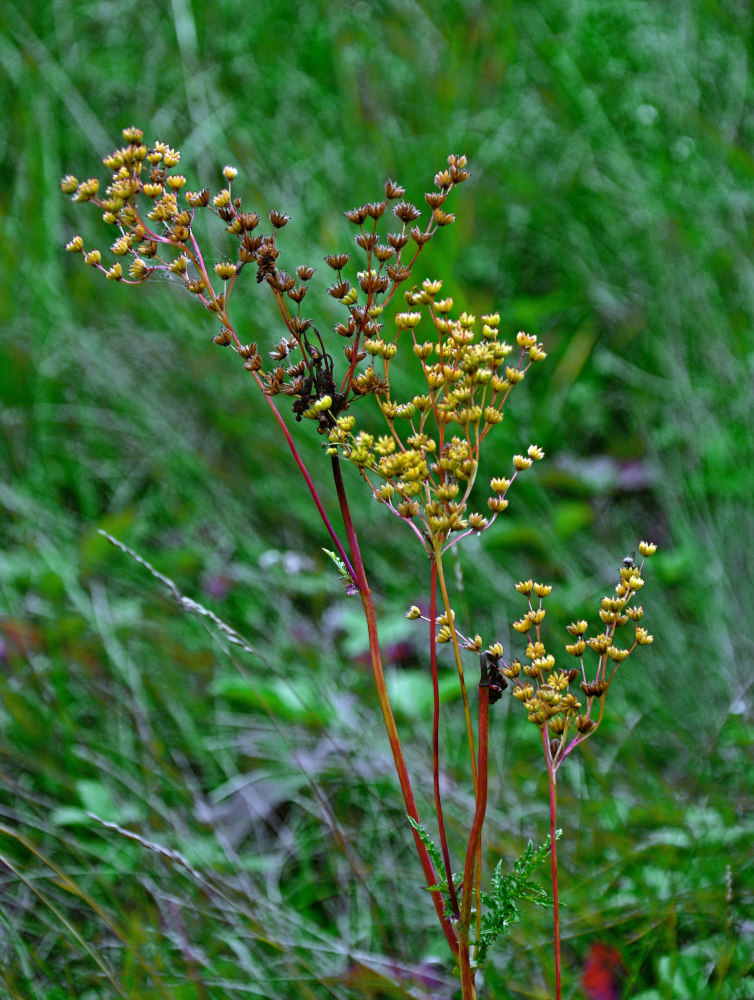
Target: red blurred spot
x,y
602,973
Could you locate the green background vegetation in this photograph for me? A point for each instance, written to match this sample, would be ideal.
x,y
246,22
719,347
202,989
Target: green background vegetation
x,y
610,211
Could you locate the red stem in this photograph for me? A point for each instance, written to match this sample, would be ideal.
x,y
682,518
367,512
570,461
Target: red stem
x,y
309,483
436,739
387,712
475,840
554,861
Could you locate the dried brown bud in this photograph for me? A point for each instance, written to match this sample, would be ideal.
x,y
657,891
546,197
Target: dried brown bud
x,y
383,253
397,240
248,220
337,261
366,240
279,219
357,215
393,190
339,290
376,209
584,724
419,237
398,273
443,218
594,689
304,272
406,212
346,329
223,338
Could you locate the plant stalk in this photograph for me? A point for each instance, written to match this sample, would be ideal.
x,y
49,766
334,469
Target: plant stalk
x,y
436,741
554,863
387,711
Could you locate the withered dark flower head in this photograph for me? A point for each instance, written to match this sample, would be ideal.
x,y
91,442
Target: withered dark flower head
x,y
279,219
337,261
393,190
406,212
397,240
357,215
383,253
366,240
248,220
398,273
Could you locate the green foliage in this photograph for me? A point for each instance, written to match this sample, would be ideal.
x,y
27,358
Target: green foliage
x,y
507,890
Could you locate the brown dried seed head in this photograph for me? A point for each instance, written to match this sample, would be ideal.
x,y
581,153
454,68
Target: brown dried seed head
x,y
223,338
419,237
397,240
357,215
279,219
337,261
407,212
397,274
338,291
366,240
443,218
383,253
594,689
393,190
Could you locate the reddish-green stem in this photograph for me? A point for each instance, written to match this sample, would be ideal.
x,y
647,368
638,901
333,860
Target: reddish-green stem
x,y
309,483
554,863
436,740
387,711
475,842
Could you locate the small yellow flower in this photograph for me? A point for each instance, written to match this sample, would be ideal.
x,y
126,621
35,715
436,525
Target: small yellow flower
x,y
225,269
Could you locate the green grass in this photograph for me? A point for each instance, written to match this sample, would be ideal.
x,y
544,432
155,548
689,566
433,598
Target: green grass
x,y
610,211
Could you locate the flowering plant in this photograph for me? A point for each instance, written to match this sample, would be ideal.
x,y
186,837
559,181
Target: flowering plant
x,y
422,469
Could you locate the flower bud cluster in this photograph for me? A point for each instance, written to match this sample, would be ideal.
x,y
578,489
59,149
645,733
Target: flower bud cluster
x,y
156,234
425,466
544,691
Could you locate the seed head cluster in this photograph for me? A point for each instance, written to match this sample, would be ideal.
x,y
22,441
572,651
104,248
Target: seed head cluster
x,y
424,467
155,232
544,690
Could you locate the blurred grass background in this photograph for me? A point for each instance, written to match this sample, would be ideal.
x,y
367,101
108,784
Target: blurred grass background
x,y
610,211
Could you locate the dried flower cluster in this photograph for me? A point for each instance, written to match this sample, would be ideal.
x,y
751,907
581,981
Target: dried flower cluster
x,y
156,234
